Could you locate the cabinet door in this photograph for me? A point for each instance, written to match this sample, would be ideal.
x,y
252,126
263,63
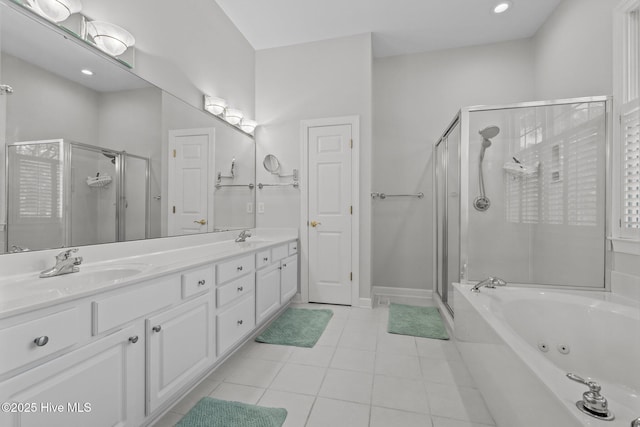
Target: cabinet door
x,y
289,280
267,291
179,347
101,384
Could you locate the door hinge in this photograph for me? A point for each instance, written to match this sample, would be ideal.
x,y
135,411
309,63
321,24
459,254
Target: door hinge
x,y
351,276
351,210
174,209
351,143
174,153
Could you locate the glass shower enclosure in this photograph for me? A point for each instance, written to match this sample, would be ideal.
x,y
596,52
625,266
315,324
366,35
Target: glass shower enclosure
x,y
520,194
63,193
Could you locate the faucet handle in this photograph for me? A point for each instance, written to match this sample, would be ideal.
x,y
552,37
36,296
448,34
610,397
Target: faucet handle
x,y
593,386
66,254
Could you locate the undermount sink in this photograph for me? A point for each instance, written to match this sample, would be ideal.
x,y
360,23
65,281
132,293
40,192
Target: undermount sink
x,y
250,242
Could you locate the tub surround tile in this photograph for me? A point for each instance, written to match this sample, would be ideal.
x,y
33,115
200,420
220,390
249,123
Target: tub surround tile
x,y
238,393
461,403
338,413
385,417
298,406
347,385
299,379
400,393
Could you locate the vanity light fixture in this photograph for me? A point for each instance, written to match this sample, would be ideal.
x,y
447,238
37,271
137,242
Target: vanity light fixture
x,y
55,10
248,125
109,37
214,105
502,7
233,115
86,72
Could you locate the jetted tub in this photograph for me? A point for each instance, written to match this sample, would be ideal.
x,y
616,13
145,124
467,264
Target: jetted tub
x,y
519,343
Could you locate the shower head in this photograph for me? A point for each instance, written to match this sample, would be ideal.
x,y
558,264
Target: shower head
x,y
110,156
489,132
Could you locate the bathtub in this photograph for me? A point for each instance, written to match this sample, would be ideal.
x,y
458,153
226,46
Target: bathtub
x,y
519,343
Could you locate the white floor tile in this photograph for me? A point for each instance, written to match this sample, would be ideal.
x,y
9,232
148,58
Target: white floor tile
x,y
338,413
275,353
459,403
361,326
358,340
238,393
253,372
190,399
400,393
385,417
449,422
437,349
330,337
298,406
398,366
347,385
299,379
319,355
446,372
403,345
170,419
354,360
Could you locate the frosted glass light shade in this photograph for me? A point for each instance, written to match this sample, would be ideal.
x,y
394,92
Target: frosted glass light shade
x,y
233,116
55,10
248,125
215,106
502,7
110,38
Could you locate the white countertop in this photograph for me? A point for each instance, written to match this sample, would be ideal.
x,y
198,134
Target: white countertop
x,y
103,270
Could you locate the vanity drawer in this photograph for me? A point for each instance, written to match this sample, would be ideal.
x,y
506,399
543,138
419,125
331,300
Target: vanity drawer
x,y
233,290
235,323
126,306
279,252
263,258
235,268
53,333
293,248
197,281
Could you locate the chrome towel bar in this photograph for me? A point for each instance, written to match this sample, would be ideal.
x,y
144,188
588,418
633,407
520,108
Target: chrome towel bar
x,y
383,196
294,184
250,185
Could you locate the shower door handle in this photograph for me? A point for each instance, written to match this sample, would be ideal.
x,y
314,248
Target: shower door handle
x,y
201,222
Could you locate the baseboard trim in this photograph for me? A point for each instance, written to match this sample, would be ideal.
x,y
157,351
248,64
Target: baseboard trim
x,y
388,291
365,303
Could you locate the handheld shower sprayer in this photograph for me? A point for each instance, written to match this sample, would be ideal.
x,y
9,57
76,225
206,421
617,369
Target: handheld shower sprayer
x,y
482,202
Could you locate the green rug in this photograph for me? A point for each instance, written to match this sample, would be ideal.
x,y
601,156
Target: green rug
x,y
210,412
416,321
299,327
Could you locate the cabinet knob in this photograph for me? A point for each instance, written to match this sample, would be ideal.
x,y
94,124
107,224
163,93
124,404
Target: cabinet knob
x,y
156,328
41,341
133,339
240,288
284,265
201,282
240,322
239,268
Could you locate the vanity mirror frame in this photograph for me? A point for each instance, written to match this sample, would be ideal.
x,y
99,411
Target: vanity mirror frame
x,y
199,114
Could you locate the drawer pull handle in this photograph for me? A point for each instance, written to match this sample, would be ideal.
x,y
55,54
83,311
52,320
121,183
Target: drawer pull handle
x,y
201,282
240,288
133,339
240,322
240,268
41,341
265,259
156,328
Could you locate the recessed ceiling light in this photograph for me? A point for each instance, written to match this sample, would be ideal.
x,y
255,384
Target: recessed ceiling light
x,y
502,7
86,72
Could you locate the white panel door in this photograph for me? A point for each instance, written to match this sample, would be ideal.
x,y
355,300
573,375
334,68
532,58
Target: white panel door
x,y
189,202
330,214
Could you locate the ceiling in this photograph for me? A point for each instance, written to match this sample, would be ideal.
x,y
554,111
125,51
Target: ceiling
x,y
398,26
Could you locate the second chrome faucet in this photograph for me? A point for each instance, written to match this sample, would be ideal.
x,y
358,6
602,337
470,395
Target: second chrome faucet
x,y
65,264
489,282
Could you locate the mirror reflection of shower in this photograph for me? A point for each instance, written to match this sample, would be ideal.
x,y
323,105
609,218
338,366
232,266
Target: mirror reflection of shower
x,y
482,202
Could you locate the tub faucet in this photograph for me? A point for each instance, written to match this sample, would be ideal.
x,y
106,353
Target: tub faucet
x,y
489,282
65,264
244,234
635,423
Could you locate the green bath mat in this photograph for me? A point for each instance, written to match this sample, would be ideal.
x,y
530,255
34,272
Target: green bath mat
x,y
210,412
416,321
300,327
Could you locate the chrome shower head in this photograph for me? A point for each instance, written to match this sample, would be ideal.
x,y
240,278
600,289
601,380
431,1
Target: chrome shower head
x,y
489,132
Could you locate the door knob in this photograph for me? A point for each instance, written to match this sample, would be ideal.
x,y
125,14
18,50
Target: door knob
x,y
314,223
201,222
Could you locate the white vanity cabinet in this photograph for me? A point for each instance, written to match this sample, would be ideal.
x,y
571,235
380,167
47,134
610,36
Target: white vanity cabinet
x,y
180,346
100,384
288,278
267,291
277,283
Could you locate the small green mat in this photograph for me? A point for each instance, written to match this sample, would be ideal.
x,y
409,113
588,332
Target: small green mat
x,y
416,321
299,327
210,412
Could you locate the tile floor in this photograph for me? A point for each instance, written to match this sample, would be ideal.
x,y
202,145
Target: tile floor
x,y
357,375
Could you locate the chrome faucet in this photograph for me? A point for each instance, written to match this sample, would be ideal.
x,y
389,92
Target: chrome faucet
x,y
244,234
635,423
65,264
592,403
489,282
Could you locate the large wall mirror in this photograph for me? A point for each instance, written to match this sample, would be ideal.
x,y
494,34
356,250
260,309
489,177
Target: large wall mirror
x,y
107,157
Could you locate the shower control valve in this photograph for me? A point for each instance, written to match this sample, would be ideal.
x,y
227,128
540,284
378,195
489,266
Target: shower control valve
x,y
592,403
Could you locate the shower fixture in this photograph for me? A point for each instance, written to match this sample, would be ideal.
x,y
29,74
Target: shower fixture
x,y
482,202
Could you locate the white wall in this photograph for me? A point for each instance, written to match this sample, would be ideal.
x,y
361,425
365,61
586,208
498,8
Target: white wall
x,y
415,98
314,80
573,50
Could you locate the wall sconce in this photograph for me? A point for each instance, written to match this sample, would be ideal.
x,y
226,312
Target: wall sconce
x,y
110,38
55,10
215,106
233,116
248,125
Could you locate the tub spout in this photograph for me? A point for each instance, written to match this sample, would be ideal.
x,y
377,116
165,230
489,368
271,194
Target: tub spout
x,y
489,282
